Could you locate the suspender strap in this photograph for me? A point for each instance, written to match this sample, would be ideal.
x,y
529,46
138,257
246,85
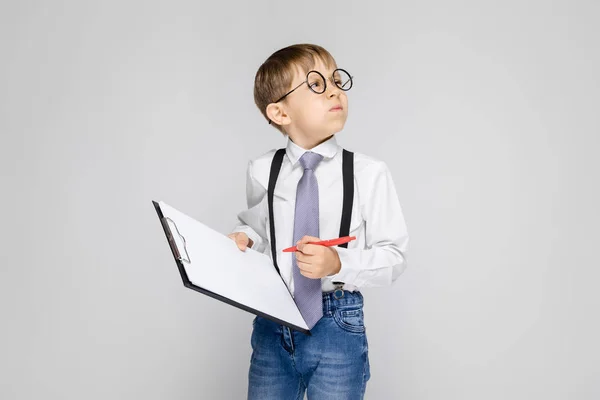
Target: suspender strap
x,y
275,167
348,179
348,176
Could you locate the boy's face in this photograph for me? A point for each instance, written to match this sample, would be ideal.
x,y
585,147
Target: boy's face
x,y
313,116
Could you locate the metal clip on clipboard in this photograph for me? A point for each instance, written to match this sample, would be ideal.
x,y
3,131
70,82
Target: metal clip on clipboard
x,y
172,241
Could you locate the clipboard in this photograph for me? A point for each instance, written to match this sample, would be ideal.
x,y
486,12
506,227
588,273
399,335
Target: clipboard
x,y
211,263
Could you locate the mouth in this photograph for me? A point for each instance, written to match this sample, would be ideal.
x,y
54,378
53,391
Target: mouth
x,y
336,108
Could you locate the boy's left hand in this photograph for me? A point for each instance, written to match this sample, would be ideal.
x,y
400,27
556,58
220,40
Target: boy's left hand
x,y
316,261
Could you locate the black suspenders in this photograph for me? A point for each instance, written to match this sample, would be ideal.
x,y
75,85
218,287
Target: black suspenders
x,y
348,176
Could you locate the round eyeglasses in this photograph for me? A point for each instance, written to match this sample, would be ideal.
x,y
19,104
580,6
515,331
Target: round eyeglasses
x,y
317,83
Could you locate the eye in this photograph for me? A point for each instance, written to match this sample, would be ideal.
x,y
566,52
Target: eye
x,y
315,85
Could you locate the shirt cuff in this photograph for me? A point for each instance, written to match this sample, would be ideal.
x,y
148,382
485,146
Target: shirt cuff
x,y
354,269
349,269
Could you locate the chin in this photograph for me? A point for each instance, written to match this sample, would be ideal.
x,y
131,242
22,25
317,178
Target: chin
x,y
337,127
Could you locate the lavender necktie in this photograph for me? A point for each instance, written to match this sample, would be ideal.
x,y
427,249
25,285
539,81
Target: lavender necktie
x,y
307,291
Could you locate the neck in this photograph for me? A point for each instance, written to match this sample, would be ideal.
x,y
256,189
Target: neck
x,y
308,143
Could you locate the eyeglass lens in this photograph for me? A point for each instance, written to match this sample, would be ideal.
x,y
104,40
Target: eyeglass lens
x,y
316,81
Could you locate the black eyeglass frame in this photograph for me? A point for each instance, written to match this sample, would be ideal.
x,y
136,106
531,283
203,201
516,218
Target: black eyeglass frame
x,y
324,86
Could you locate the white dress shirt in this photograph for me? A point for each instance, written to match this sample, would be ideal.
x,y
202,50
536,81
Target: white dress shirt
x,y
378,255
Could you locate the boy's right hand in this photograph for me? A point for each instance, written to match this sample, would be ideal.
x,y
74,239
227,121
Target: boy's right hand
x,y
241,239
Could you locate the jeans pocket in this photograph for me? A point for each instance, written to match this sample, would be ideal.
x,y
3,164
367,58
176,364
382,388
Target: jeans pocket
x,y
350,320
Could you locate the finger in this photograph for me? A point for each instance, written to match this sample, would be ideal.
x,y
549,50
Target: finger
x,y
242,241
307,238
303,257
304,266
235,235
308,274
302,242
307,270
235,238
241,246
242,237
310,250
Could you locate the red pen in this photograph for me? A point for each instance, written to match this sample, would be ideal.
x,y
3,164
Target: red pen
x,y
330,242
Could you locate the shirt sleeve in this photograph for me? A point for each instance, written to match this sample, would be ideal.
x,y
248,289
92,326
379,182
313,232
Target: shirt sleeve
x,y
253,220
384,258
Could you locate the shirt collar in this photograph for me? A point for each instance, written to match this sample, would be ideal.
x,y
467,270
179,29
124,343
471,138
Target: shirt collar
x,y
327,149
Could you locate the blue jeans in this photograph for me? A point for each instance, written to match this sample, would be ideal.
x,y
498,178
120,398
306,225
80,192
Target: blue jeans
x,y
331,364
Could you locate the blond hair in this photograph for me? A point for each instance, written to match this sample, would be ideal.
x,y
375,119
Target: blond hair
x,y
275,76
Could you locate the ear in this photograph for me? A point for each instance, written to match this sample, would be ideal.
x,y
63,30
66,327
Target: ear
x,y
277,114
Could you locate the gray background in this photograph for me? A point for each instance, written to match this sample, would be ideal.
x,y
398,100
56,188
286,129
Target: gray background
x,y
485,112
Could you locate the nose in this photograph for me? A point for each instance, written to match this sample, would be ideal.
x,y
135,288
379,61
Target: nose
x,y
332,89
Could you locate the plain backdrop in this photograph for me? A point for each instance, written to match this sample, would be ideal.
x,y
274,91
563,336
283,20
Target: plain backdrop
x,y
485,112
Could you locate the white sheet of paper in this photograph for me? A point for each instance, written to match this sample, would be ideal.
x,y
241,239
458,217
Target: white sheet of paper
x,y
218,265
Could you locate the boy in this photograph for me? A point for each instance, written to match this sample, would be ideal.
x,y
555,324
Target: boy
x,y
301,92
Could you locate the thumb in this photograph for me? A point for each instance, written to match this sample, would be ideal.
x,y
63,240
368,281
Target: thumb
x,y
242,239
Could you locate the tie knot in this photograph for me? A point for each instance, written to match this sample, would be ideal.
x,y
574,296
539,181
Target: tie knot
x,y
310,160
